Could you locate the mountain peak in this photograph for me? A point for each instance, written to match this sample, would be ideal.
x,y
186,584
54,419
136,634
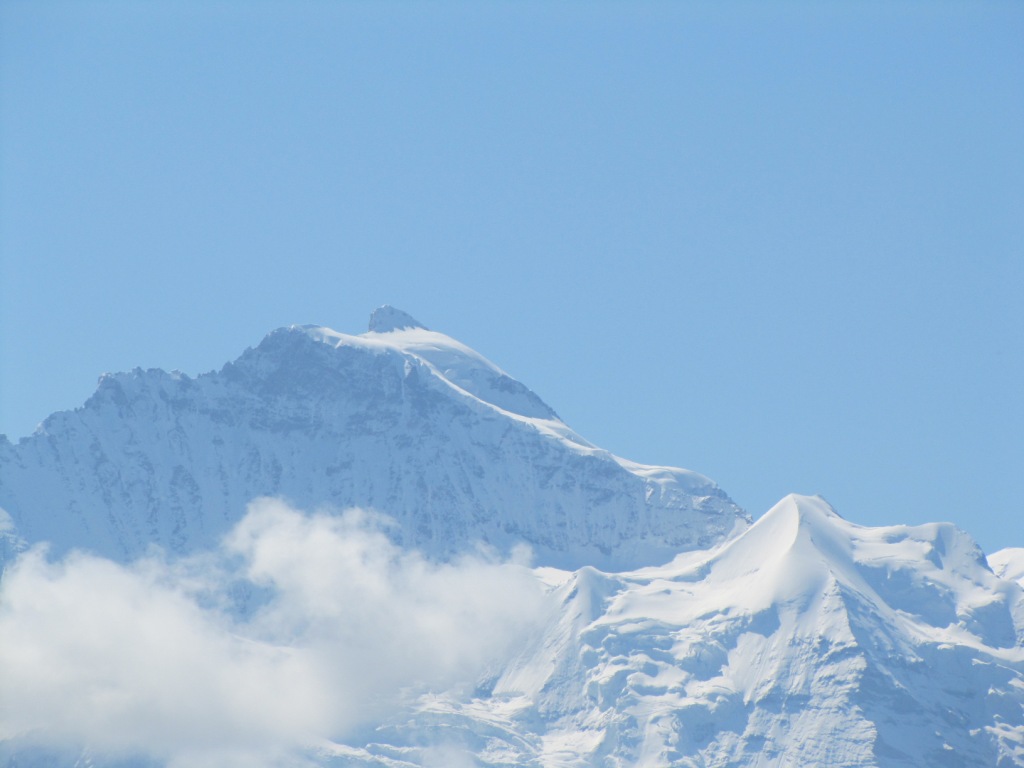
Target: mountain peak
x,y
386,319
804,510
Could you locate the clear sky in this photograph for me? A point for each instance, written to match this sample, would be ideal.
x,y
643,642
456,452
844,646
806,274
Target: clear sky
x,y
782,246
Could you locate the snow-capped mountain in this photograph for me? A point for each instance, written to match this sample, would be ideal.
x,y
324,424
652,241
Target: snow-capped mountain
x,y
401,419
667,630
804,641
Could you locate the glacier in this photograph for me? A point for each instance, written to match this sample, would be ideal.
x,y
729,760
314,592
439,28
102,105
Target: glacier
x,y
672,630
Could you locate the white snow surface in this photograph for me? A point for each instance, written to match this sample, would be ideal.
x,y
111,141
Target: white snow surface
x,y
1008,563
673,632
804,641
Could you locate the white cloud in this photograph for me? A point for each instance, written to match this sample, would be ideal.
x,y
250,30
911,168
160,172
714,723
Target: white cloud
x,y
138,659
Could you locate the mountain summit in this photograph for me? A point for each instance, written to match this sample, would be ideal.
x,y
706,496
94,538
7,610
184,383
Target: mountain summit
x,y
386,319
401,419
699,639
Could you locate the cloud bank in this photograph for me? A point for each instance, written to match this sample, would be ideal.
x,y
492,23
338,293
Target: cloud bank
x,y
150,659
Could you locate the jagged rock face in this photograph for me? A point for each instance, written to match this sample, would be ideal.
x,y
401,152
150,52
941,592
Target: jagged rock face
x,y
401,419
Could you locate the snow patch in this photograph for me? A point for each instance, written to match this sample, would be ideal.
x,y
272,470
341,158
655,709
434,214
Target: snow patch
x,y
1008,564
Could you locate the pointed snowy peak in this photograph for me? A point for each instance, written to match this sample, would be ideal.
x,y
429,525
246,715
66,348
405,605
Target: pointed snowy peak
x,y
386,319
803,511
797,521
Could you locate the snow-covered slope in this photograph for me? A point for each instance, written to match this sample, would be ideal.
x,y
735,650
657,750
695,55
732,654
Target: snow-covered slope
x,y
401,419
1008,563
670,631
805,641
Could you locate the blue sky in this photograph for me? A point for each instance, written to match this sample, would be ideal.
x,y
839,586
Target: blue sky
x,y
782,246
